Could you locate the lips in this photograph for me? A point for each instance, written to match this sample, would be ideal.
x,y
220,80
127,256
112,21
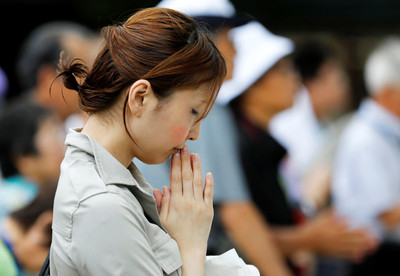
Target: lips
x,y
178,149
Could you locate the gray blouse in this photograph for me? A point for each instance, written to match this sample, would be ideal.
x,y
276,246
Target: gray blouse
x,y
105,218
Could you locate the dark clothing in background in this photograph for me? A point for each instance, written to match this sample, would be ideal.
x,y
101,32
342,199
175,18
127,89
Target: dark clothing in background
x,y
261,155
384,261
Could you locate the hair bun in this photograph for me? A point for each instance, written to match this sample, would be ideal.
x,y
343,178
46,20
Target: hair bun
x,y
70,70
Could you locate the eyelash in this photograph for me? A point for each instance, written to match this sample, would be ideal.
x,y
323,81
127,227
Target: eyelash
x,y
194,112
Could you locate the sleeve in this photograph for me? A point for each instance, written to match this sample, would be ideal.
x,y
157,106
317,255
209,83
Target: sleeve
x,y
109,238
363,186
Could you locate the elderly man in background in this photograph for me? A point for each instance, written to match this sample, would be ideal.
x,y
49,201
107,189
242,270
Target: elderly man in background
x,y
366,179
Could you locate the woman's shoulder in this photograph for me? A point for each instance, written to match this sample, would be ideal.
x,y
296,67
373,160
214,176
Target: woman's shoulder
x,y
79,180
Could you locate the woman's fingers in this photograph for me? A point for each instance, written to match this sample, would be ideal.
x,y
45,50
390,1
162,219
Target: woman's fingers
x,y
158,197
187,172
197,177
186,177
176,175
164,206
209,190
186,210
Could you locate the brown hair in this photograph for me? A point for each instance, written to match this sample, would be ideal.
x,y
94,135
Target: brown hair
x,y
163,46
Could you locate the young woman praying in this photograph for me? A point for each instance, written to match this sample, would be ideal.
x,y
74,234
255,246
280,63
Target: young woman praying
x,y
154,80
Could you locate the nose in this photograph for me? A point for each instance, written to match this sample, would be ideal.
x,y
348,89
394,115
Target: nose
x,y
194,132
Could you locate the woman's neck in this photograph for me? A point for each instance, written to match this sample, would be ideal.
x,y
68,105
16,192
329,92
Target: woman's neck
x,y
112,136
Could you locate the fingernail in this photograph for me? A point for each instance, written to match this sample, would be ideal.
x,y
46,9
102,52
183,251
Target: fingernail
x,y
185,149
196,157
177,155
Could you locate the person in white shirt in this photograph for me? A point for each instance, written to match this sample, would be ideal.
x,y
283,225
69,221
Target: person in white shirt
x,y
366,177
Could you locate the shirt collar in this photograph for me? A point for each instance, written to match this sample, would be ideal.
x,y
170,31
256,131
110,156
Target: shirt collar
x,y
110,169
381,119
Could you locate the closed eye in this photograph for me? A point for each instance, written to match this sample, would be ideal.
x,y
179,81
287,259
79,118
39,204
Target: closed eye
x,y
195,112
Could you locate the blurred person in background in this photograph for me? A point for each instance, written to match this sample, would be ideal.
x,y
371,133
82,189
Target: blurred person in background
x,y
25,235
264,83
31,151
305,128
366,176
37,66
310,130
235,210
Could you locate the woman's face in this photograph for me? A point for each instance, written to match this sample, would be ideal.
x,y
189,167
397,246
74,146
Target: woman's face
x,y
165,127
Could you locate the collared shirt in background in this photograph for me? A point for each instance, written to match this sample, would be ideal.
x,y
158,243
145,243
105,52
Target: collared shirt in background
x,y
366,178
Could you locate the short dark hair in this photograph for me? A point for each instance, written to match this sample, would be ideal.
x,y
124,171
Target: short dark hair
x,y
43,46
310,55
19,122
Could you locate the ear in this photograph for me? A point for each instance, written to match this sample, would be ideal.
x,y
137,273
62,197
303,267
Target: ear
x,y
141,97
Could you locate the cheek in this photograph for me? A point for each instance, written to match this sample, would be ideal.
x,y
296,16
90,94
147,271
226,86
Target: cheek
x,y
179,133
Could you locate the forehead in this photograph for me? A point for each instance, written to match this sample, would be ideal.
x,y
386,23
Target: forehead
x,y
201,93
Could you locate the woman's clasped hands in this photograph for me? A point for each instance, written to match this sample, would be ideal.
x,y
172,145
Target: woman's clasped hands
x,y
186,208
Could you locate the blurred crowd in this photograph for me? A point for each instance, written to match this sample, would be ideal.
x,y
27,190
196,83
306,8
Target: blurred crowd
x,y
305,185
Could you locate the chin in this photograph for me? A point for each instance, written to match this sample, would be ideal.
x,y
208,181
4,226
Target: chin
x,y
155,160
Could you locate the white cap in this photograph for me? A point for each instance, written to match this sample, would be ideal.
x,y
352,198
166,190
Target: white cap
x,y
220,8
257,50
